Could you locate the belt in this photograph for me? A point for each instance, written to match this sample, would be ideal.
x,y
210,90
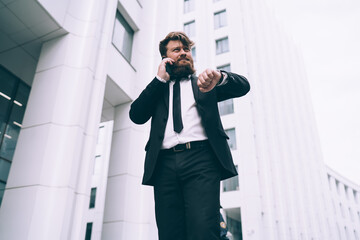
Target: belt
x,y
186,146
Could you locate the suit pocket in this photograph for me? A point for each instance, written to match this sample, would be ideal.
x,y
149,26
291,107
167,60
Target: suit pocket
x,y
222,133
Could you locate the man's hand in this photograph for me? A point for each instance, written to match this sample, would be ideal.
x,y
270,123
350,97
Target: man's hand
x,y
162,68
208,79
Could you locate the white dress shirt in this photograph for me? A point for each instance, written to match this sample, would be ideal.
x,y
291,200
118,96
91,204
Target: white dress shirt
x,y
193,129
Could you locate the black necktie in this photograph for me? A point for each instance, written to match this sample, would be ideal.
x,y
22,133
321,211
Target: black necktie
x,y
178,125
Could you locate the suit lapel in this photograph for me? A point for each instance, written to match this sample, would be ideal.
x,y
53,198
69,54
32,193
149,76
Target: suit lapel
x,y
166,96
195,87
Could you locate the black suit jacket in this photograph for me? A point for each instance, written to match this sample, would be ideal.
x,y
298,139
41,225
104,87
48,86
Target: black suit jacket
x,y
153,103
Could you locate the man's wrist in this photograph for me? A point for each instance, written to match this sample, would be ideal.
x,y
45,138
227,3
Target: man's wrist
x,y
160,79
223,78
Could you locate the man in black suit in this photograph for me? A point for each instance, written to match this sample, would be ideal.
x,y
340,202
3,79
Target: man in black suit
x,y
187,154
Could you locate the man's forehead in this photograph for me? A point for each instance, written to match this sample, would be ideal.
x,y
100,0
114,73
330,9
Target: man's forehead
x,y
174,44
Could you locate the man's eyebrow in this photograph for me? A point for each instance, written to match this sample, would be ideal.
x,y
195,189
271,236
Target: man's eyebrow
x,y
184,47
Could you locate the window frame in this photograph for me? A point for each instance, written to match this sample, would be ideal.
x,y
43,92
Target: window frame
x,y
223,48
92,202
232,183
220,19
224,106
130,32
225,67
191,32
189,6
229,140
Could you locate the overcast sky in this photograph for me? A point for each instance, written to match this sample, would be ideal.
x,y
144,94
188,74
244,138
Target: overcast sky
x,y
328,34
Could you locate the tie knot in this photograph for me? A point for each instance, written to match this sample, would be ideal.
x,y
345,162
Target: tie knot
x,y
178,79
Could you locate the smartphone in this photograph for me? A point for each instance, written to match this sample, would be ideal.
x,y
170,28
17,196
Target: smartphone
x,y
168,68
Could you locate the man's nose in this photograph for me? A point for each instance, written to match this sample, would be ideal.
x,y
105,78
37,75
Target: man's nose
x,y
182,52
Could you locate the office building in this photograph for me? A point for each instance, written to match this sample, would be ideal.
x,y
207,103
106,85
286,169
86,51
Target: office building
x,y
71,161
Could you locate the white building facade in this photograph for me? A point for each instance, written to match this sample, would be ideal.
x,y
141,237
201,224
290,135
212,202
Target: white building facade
x,y
69,72
345,199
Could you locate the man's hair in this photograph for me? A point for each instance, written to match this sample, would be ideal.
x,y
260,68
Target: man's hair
x,y
174,36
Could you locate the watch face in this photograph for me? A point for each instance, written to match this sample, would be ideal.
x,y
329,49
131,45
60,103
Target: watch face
x,y
223,225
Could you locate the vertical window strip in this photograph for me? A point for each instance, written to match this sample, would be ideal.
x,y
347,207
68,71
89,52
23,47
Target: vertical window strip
x,y
92,198
232,138
189,28
220,19
189,6
226,67
89,227
123,36
193,53
226,107
222,45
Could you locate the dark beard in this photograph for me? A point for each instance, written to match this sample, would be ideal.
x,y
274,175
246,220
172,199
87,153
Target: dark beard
x,y
180,70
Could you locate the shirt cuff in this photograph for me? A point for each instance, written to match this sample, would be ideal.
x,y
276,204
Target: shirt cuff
x,y
223,80
160,79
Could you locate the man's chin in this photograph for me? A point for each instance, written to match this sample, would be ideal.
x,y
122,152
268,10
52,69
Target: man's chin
x,y
183,70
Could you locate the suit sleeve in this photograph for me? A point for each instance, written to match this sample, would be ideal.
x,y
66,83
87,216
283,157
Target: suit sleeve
x,y
235,86
142,109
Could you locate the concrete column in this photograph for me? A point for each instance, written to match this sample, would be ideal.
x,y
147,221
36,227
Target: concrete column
x,y
129,205
48,187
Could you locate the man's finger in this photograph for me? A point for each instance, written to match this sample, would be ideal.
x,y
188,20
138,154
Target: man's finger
x,y
203,84
209,73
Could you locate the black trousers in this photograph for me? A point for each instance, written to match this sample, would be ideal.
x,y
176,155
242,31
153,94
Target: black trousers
x,y
187,195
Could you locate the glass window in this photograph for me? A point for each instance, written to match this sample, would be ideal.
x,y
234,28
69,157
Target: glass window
x,y
226,107
220,19
92,198
193,53
2,190
222,45
189,6
7,87
13,99
9,141
355,196
13,127
225,67
232,138
347,192
233,222
189,28
231,184
97,165
123,36
337,186
4,170
88,231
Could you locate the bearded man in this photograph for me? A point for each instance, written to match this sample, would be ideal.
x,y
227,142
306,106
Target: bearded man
x,y
187,154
